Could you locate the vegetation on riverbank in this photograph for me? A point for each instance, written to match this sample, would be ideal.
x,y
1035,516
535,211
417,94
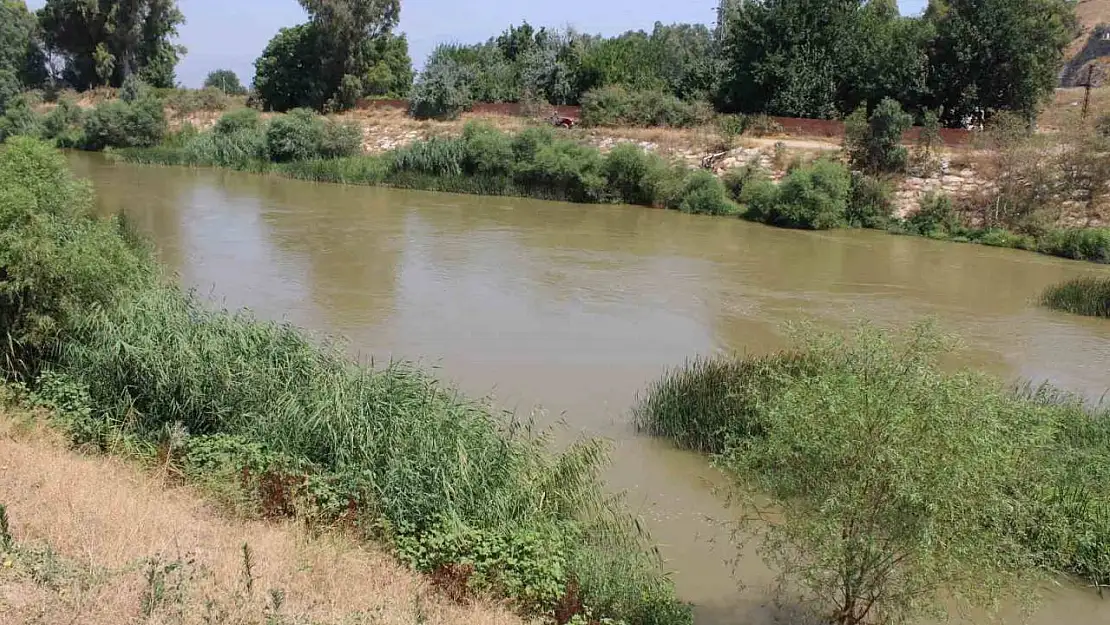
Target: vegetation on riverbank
x,y
279,423
897,480
1082,296
91,539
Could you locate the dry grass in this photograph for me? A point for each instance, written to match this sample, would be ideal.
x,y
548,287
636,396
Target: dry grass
x,y
1067,104
100,543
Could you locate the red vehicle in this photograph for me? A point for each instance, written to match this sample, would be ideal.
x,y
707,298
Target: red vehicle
x,y
562,122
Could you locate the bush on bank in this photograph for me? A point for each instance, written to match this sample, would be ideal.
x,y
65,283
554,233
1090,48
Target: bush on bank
x,y
770,419
617,106
535,162
1082,296
283,423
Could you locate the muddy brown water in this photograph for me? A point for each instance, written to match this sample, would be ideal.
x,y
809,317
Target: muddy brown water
x,y
577,308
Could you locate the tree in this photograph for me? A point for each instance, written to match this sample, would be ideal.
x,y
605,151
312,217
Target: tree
x,y
992,55
225,80
22,63
891,482
442,91
688,59
346,51
783,57
874,144
102,42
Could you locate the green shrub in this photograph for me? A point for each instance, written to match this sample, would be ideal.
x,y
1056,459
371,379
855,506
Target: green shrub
x,y
441,92
58,262
737,178
759,197
565,169
19,118
64,124
794,421
134,89
1091,244
870,204
1082,296
340,139
711,404
634,175
116,123
367,170
702,193
295,136
486,151
437,156
936,217
874,144
813,197
242,149
239,119
997,237
616,106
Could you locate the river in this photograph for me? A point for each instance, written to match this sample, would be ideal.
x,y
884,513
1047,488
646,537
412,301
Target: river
x,y
577,308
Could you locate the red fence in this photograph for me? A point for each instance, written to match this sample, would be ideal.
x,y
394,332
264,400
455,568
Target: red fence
x,y
795,126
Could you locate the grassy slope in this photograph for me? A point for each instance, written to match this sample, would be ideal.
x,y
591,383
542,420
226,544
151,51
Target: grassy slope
x,y
94,536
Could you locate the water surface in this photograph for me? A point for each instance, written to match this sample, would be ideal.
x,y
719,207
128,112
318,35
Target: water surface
x,y
577,308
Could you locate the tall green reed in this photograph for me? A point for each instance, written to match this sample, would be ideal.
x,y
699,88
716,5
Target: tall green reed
x,y
1081,296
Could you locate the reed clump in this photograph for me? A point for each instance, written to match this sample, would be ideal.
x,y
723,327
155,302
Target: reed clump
x,y
1088,296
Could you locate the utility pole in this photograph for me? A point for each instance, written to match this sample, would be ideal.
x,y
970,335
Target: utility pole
x,y
1087,90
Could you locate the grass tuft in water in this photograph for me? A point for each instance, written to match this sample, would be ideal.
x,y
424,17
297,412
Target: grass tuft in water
x,y
1088,296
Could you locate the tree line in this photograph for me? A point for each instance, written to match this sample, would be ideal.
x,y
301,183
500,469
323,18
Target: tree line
x,y
802,58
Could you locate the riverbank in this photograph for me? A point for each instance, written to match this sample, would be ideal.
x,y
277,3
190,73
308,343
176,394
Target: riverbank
x,y
541,163
960,196
99,541
281,424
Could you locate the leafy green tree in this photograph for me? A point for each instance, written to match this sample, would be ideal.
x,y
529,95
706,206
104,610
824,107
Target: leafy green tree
x,y
688,58
102,42
282,77
442,91
874,144
225,80
885,57
997,54
892,483
630,60
347,51
22,62
783,56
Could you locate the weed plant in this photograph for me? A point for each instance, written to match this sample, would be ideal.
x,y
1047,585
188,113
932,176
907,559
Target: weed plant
x,y
1082,296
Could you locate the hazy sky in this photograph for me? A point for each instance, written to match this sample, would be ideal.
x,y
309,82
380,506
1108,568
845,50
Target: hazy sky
x,y
232,33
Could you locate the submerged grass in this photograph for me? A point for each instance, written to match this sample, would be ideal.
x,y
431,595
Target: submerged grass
x,y
285,423
1088,296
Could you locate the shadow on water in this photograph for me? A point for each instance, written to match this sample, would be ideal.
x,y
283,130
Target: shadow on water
x,y
577,308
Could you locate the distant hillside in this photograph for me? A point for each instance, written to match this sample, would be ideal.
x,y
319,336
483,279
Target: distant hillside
x,y
1091,48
